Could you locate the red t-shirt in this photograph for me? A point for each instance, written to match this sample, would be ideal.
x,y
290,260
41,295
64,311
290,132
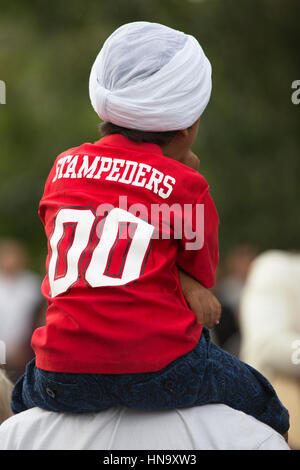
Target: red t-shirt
x,y
115,303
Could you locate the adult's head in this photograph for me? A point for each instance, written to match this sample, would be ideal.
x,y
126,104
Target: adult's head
x,y
13,257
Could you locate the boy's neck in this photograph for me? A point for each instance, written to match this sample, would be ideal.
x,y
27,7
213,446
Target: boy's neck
x,y
172,150
179,148
185,156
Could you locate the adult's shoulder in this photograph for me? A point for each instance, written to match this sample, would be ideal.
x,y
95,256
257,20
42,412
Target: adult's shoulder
x,y
198,428
15,428
230,429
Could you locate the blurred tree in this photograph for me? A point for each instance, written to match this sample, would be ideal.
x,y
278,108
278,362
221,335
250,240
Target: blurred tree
x,y
249,136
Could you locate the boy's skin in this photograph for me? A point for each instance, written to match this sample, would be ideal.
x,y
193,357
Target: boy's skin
x,y
203,303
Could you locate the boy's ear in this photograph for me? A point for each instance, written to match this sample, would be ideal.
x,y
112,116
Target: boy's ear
x,y
184,132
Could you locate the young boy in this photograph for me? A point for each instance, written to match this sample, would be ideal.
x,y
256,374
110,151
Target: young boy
x,y
119,330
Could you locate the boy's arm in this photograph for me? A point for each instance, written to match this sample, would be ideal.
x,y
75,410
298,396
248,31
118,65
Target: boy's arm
x,y
198,253
201,301
191,160
198,261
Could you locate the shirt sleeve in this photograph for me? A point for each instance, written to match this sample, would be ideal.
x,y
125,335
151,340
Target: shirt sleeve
x,y
198,253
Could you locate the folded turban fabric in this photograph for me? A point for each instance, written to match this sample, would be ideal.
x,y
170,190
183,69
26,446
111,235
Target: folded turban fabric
x,y
150,77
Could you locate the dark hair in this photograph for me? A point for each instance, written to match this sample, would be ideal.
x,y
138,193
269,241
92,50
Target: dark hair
x,y
158,138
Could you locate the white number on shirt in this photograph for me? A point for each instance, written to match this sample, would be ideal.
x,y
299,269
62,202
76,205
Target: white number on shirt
x,y
97,274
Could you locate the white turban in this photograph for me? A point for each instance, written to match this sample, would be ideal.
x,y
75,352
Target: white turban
x,y
150,77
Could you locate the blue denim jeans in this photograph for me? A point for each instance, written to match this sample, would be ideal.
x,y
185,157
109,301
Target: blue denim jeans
x,y
205,375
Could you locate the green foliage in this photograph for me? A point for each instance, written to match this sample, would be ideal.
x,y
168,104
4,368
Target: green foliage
x,y
249,136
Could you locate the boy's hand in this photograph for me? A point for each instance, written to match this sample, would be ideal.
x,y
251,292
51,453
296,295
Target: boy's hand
x,y
202,302
190,159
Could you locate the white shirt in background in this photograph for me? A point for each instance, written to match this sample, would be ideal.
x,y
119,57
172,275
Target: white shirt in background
x,y
19,297
270,314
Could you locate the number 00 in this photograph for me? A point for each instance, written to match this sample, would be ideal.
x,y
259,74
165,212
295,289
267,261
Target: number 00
x,y
96,274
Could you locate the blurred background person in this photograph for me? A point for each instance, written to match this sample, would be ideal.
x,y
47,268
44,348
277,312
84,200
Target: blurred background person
x,y
229,288
20,299
270,326
5,394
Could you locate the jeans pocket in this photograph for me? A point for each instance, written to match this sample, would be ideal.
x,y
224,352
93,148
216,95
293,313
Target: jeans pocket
x,y
174,387
57,394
